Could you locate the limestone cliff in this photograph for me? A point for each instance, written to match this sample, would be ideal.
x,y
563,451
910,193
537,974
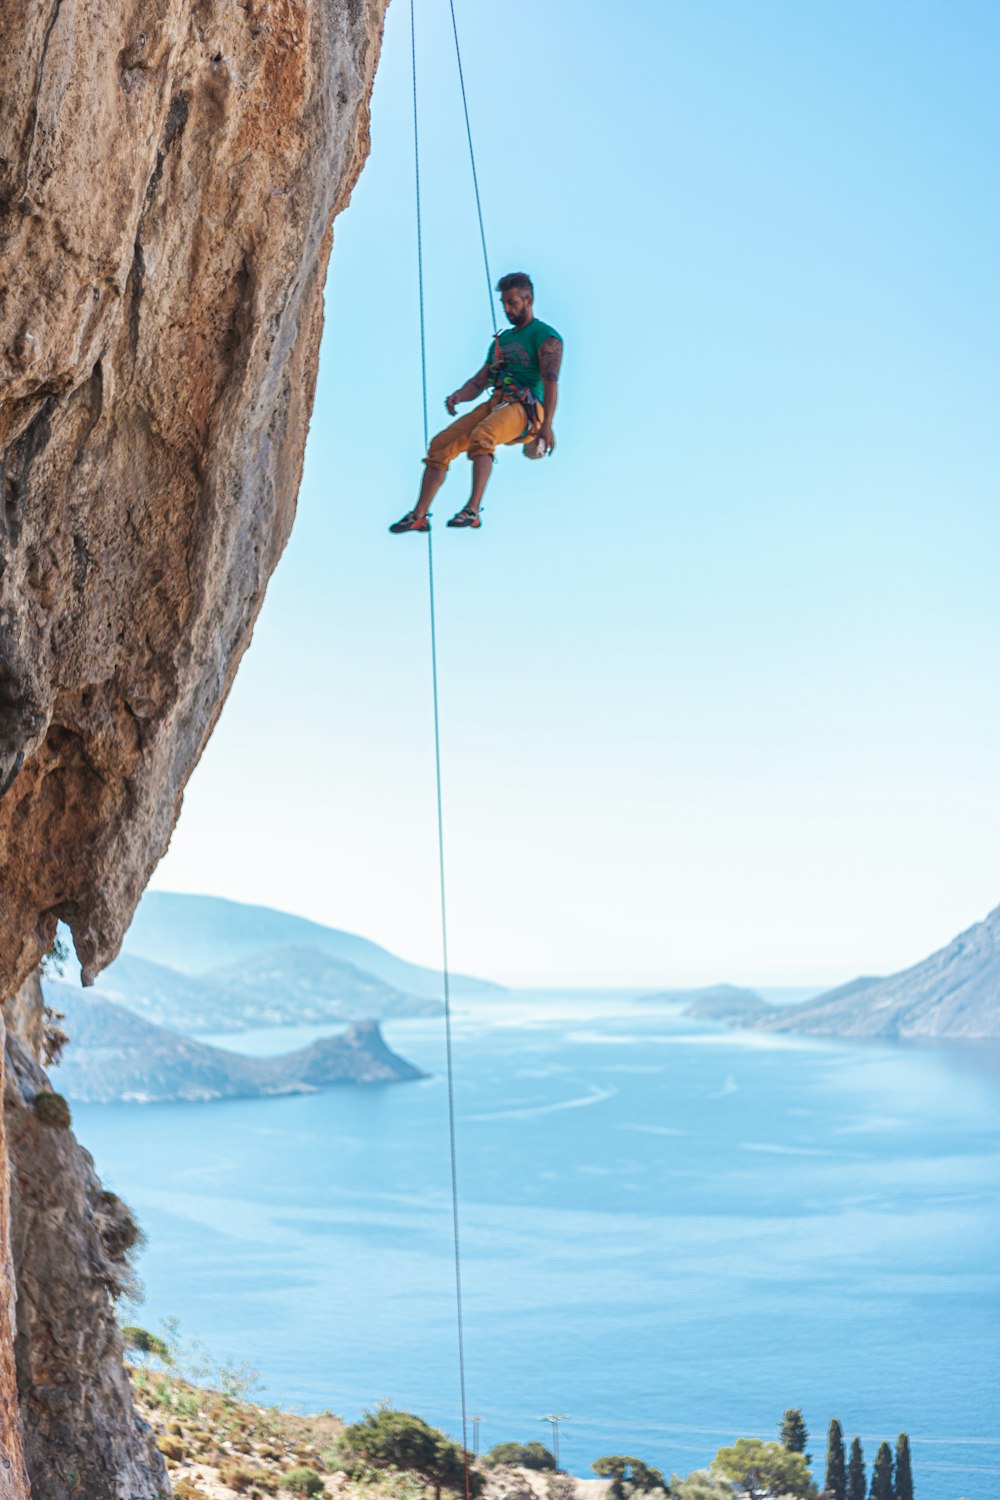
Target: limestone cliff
x,y
169,175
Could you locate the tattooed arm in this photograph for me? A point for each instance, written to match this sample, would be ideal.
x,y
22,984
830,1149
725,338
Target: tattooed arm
x,y
549,362
470,390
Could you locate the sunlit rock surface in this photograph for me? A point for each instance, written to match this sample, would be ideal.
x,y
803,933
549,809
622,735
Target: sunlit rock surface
x,y
168,179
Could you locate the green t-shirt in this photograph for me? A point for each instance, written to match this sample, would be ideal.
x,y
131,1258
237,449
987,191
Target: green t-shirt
x,y
519,349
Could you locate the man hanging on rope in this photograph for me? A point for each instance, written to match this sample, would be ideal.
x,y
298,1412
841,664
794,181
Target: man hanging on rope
x,y
522,366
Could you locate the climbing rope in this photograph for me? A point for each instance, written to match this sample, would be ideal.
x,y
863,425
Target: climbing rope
x,y
472,159
445,968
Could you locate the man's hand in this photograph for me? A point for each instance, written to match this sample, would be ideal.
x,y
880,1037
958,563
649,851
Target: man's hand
x,y
469,391
547,437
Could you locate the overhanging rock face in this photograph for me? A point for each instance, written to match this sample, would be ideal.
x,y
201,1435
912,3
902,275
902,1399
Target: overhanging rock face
x,y
169,174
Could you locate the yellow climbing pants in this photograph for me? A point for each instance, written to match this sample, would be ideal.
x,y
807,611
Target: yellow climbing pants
x,y
480,431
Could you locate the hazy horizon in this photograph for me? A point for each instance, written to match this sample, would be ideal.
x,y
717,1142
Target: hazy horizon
x,y
802,988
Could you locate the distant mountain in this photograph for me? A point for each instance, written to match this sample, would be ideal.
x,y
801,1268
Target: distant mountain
x,y
715,1002
182,1002
115,1056
953,994
195,934
309,985
286,986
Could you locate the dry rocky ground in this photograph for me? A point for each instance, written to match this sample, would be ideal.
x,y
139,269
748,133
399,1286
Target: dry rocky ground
x,y
218,1447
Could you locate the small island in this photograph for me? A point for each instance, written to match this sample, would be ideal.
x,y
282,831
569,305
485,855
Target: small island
x,y
115,1056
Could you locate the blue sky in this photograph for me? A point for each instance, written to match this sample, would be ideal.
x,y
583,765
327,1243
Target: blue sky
x,y
719,679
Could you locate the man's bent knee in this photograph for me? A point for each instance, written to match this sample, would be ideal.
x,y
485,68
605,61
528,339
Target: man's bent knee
x,y
483,443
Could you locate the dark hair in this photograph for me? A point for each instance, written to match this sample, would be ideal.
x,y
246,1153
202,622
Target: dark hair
x,y
516,281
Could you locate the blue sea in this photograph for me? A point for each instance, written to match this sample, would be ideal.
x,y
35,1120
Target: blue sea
x,y
671,1232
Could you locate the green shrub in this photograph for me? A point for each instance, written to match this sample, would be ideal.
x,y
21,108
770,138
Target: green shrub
x,y
628,1476
52,1110
243,1476
119,1231
56,959
302,1481
388,1484
524,1455
141,1341
389,1439
757,1468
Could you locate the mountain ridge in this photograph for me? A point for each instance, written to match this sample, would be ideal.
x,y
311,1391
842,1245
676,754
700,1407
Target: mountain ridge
x,y
196,934
281,987
953,994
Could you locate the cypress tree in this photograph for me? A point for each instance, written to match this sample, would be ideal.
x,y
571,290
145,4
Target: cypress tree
x,y
794,1435
836,1476
856,1473
882,1474
903,1489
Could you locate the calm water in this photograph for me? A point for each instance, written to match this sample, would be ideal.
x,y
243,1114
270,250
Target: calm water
x,y
671,1232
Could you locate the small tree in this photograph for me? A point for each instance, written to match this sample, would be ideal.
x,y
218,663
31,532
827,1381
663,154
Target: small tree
x,y
903,1487
389,1439
524,1455
757,1469
55,961
882,1474
700,1485
145,1345
836,1472
856,1486
628,1476
794,1433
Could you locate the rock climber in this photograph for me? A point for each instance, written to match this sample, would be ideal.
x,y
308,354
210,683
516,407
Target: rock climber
x,y
522,366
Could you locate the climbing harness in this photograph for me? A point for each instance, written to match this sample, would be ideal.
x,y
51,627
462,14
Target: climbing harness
x,y
445,969
511,390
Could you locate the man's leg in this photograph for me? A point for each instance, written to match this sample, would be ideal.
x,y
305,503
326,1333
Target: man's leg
x,y
443,447
482,467
504,424
432,481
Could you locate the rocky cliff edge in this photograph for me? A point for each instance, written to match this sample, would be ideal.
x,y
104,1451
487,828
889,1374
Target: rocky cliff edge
x,y
169,175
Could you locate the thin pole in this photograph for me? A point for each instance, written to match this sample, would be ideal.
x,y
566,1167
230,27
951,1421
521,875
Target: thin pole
x,y
554,1421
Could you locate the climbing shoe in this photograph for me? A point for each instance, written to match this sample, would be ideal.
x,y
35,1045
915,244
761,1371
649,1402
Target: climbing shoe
x,y
412,522
466,517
